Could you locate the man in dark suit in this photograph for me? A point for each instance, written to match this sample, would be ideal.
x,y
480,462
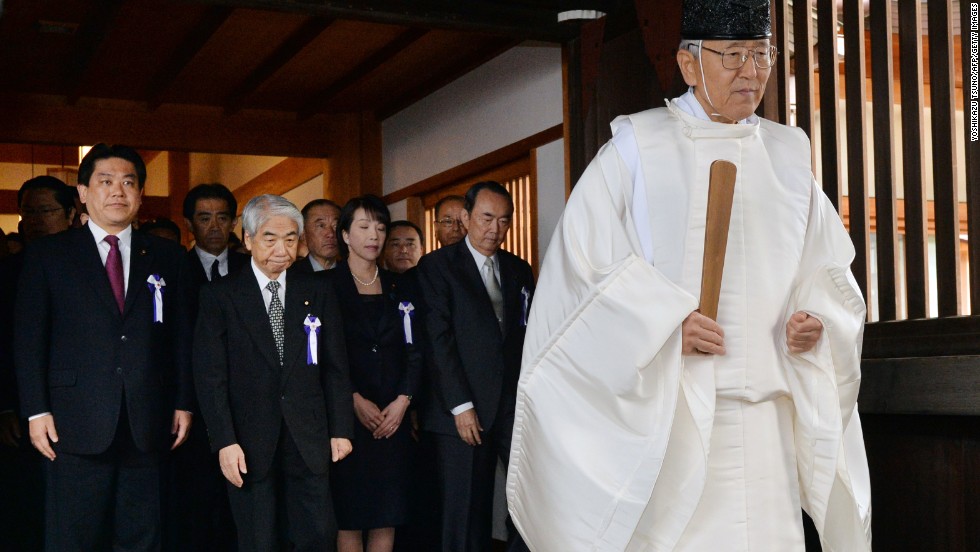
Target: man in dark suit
x,y
210,215
320,218
197,515
102,362
477,297
270,366
46,206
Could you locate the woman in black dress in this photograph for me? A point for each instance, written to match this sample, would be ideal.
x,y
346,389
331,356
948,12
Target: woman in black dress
x,y
371,487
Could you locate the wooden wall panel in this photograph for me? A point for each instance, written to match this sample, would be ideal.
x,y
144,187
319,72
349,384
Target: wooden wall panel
x,y
943,162
916,255
857,180
972,149
828,60
803,40
924,481
886,234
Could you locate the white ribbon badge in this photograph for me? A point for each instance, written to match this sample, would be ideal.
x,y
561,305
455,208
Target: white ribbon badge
x,y
156,284
407,309
526,295
312,327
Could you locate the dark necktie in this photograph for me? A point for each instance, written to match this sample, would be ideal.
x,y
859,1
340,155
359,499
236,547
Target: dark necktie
x,y
493,290
276,317
114,269
215,274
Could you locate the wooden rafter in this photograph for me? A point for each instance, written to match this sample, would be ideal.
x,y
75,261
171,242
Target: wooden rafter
x,y
91,36
213,19
293,45
321,99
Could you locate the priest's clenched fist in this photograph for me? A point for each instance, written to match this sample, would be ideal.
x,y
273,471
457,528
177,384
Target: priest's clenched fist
x,y
802,332
701,335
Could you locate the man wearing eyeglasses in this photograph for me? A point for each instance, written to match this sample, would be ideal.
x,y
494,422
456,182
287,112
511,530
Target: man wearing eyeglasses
x,y
46,206
449,226
642,424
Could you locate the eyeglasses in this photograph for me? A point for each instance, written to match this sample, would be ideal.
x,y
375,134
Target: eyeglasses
x,y
450,222
41,213
735,57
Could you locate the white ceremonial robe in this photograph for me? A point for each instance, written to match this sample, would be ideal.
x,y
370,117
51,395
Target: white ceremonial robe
x,y
614,428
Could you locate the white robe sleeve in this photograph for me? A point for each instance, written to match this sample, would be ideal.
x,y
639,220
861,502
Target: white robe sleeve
x,y
583,463
833,468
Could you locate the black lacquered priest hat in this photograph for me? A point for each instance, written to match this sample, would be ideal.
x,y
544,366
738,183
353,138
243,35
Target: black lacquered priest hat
x,y
725,20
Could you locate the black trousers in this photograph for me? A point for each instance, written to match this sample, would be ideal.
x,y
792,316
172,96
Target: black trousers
x,y
104,501
196,515
465,478
287,508
21,496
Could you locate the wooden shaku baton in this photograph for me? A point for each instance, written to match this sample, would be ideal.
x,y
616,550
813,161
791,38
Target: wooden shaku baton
x,y
721,190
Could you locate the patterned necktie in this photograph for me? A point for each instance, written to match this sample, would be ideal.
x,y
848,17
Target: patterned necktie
x,y
215,274
114,269
276,317
493,290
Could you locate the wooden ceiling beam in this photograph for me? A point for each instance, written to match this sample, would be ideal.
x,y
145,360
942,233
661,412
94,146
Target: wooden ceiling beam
x,y
47,120
293,45
91,35
195,40
320,100
440,79
513,19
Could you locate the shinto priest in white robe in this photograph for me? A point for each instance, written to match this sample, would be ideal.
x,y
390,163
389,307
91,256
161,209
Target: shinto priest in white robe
x,y
622,443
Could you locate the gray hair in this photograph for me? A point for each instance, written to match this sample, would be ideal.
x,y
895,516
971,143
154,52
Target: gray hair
x,y
260,209
693,46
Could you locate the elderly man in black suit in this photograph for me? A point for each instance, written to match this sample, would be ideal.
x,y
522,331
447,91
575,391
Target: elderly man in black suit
x,y
270,366
102,362
197,515
478,297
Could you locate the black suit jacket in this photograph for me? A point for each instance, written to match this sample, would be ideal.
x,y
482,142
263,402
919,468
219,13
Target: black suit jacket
x,y
470,358
304,265
380,371
77,357
245,395
10,268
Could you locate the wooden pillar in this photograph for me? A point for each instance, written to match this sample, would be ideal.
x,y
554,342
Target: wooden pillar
x,y
179,171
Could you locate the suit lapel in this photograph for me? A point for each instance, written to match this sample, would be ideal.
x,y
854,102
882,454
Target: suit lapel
x,y
251,308
298,299
510,288
140,261
91,269
196,267
470,276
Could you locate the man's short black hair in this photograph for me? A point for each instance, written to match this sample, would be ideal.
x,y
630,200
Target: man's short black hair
x,y
318,203
103,151
215,190
490,186
409,224
372,204
63,193
447,199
